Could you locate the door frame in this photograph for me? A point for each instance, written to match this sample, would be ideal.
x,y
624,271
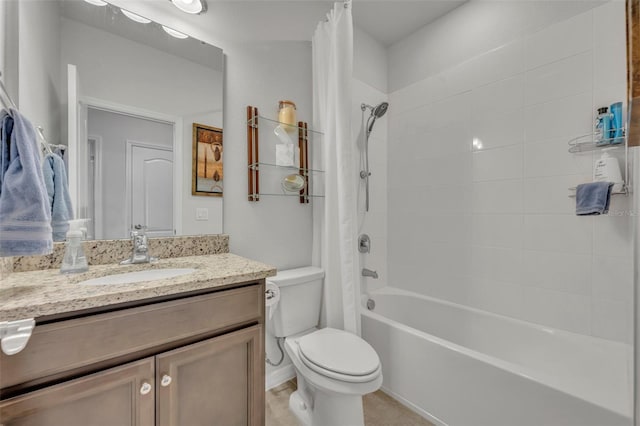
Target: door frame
x,y
98,219
129,175
178,143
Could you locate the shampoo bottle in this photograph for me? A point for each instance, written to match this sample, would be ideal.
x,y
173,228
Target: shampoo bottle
x,y
74,260
607,169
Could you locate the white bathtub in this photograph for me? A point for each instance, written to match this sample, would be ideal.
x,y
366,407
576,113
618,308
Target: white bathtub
x,y
465,367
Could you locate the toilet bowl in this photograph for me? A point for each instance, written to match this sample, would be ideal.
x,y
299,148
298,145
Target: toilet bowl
x,y
334,368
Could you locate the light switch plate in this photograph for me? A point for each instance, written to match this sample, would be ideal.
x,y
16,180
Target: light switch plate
x,y
202,214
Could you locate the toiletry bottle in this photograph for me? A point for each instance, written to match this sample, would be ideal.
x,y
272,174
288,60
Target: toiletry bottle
x,y
607,169
74,260
603,126
617,129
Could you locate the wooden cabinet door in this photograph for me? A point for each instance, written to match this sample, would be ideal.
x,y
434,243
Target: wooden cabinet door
x,y
122,396
219,381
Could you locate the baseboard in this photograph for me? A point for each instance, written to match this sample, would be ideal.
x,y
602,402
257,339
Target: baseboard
x,y
279,376
411,406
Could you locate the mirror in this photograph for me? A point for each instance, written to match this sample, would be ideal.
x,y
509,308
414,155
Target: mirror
x,y
122,99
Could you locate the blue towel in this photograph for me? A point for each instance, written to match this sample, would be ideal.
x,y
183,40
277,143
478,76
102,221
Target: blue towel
x,y
6,127
55,179
593,198
25,216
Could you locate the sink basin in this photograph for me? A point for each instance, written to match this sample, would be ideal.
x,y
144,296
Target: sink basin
x,y
136,277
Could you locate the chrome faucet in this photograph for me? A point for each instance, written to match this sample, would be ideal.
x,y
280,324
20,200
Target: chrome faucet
x,y
140,247
369,273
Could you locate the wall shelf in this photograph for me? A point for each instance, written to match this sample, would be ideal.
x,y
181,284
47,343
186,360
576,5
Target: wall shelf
x,y
586,143
265,176
257,166
253,121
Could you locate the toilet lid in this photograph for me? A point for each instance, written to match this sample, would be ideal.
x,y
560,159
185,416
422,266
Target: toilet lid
x,y
340,352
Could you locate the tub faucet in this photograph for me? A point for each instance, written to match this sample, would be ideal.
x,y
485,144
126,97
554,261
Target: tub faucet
x,y
369,273
140,247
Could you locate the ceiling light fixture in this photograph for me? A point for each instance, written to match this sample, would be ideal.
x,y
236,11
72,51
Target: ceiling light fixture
x,y
174,33
135,17
194,7
97,2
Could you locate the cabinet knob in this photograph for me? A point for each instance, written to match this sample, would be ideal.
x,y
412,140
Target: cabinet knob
x,y
166,380
145,388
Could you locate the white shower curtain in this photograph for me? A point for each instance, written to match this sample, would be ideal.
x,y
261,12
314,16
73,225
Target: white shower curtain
x,y
335,216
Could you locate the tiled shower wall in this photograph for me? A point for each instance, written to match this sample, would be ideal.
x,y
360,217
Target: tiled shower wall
x,y
373,222
370,87
490,224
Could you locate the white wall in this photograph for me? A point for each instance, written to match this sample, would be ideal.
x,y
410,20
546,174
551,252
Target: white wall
x,y
9,47
370,61
470,30
494,228
39,90
275,230
115,130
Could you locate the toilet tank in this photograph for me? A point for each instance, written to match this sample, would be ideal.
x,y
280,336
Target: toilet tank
x,y
300,300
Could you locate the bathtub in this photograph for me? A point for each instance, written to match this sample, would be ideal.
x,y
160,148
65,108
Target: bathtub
x,y
460,366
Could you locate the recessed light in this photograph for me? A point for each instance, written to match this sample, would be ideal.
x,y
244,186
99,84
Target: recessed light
x,y
174,33
190,6
135,17
97,2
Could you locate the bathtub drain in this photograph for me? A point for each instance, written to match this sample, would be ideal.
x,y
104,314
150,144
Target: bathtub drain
x,y
371,304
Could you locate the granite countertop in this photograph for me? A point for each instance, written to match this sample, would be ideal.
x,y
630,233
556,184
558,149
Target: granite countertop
x,y
43,293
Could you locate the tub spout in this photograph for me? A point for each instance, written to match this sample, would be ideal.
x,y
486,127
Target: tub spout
x,y
369,273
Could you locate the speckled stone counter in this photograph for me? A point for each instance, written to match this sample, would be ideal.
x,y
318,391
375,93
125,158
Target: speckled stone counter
x,y
103,252
43,293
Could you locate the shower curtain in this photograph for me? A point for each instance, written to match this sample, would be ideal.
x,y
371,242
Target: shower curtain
x,y
335,216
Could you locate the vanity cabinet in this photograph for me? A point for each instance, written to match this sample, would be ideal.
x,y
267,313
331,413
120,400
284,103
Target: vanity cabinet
x,y
196,360
120,396
212,381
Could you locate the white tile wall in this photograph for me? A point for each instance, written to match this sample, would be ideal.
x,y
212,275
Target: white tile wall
x,y
374,222
492,224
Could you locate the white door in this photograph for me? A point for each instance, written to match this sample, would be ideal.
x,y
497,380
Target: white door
x,y
151,188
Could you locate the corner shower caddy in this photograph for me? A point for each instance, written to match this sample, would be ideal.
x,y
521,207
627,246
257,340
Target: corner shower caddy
x,y
587,143
273,173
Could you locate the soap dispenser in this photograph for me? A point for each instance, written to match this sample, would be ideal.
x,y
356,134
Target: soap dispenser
x,y
74,260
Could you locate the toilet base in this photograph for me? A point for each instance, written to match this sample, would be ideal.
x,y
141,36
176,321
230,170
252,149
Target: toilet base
x,y
313,407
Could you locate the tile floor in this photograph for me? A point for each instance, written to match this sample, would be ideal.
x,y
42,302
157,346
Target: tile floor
x,y
379,409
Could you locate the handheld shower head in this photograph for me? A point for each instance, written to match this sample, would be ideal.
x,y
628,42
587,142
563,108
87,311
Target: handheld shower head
x,y
377,112
380,110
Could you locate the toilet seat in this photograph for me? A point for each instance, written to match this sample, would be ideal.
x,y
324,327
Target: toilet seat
x,y
339,355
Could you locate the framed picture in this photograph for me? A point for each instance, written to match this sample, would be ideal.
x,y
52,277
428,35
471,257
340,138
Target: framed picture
x,y
207,174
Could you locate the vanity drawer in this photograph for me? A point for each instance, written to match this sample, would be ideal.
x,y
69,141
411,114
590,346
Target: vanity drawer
x,y
58,350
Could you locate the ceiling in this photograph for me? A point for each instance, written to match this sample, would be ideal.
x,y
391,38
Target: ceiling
x,y
391,21
387,21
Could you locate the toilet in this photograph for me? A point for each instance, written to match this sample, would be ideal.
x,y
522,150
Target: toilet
x,y
334,368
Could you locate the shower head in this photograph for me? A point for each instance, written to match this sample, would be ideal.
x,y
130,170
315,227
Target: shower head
x,y
380,110
377,112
